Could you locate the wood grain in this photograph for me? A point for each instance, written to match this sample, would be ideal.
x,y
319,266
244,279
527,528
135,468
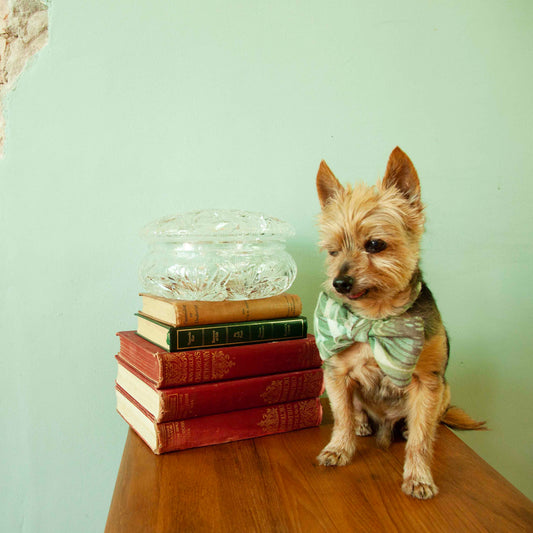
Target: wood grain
x,y
273,484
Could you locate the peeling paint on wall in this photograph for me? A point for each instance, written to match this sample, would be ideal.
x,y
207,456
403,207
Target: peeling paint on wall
x,y
23,32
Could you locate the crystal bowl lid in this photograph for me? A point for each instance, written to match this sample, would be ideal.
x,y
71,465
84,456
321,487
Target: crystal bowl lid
x,y
218,225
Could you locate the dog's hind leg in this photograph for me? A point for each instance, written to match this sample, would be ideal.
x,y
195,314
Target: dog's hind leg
x,y
362,425
384,433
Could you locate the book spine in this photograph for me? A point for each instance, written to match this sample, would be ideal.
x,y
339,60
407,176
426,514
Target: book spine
x,y
237,425
172,369
142,355
188,313
213,398
237,333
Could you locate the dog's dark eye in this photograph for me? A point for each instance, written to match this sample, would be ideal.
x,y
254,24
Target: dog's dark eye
x,y
374,246
333,253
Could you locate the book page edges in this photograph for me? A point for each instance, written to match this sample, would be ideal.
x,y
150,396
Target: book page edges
x,y
137,388
138,421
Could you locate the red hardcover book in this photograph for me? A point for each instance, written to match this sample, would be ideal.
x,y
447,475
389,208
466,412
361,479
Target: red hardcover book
x,y
217,429
176,403
173,369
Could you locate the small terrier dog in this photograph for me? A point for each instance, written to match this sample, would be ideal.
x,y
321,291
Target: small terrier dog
x,y
377,325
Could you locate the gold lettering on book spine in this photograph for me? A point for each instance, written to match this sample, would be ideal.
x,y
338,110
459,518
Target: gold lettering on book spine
x,y
270,421
288,417
197,364
289,388
177,370
314,381
309,413
197,367
174,435
276,392
221,364
181,405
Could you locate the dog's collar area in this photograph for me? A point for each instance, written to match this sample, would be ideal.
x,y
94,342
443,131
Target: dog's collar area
x,y
414,297
396,342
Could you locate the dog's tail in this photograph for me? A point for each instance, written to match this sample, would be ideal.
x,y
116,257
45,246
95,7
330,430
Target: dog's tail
x,y
456,418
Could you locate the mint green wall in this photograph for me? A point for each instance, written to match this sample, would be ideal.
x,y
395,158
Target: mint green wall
x,y
135,110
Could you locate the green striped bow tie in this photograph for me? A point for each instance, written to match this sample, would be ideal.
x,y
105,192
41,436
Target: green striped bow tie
x,y
396,342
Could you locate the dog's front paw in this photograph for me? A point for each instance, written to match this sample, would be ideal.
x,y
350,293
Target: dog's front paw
x,y
419,489
333,456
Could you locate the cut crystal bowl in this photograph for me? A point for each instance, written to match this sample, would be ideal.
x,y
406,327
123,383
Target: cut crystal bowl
x,y
217,255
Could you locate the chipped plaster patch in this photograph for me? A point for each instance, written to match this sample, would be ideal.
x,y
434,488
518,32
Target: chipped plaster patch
x,y
23,32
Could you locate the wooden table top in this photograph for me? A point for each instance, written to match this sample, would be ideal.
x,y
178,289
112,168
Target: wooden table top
x,y
273,484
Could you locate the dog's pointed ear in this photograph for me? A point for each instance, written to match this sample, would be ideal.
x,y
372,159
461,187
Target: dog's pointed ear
x,y
402,175
327,184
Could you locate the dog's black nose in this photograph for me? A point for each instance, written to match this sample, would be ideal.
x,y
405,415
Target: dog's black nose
x,y
343,284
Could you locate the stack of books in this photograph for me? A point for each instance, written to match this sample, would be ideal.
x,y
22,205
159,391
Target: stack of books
x,y
202,373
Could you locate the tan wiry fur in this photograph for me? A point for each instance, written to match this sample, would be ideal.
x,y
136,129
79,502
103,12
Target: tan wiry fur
x,y
380,285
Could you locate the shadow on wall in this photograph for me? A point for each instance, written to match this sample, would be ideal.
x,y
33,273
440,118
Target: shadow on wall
x,y
469,384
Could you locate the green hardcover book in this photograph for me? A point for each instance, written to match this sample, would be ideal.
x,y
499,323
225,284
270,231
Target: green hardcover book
x,y
173,339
